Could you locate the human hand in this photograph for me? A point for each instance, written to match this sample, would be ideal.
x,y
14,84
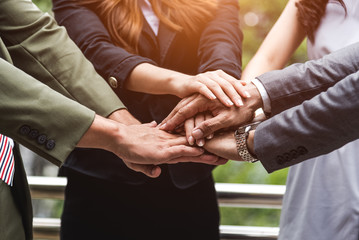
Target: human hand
x,y
145,146
191,123
223,145
123,116
212,85
224,117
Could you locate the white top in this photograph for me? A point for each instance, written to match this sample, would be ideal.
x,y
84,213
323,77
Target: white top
x,y
11,142
322,195
149,15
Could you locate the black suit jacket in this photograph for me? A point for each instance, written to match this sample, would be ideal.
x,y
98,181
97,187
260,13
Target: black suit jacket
x,y
217,46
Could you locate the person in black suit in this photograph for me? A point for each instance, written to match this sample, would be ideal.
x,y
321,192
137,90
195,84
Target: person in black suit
x,y
152,53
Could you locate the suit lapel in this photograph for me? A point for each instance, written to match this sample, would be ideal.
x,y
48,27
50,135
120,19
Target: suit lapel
x,y
165,38
162,41
4,54
147,31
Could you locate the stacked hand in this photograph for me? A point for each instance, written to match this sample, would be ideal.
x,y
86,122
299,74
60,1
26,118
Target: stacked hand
x,y
144,146
224,118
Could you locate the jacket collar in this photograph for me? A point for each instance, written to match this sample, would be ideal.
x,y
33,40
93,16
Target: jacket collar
x,y
162,41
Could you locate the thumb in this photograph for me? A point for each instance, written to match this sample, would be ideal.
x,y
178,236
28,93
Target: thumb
x,y
151,124
208,127
147,169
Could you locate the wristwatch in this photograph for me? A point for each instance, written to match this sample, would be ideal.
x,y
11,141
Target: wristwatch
x,y
241,136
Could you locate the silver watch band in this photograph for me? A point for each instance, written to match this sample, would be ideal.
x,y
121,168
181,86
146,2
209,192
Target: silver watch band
x,y
241,135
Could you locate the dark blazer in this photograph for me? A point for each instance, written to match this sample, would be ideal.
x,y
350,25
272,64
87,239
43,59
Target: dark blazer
x,y
217,46
326,122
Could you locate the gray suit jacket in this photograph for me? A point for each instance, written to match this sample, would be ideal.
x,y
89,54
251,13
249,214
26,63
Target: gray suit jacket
x,y
327,121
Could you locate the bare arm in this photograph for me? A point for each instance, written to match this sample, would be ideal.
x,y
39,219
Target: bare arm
x,y
279,45
148,78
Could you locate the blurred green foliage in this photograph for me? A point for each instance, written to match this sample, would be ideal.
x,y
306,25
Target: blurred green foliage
x,y
44,5
257,17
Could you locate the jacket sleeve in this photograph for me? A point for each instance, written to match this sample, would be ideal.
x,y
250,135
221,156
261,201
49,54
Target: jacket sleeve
x,y
27,105
221,41
42,49
88,32
325,122
291,86
317,126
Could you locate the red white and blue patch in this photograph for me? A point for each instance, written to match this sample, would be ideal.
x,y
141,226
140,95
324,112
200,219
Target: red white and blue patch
x,y
7,168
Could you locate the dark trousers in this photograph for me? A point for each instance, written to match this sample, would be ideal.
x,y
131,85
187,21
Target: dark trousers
x,y
99,209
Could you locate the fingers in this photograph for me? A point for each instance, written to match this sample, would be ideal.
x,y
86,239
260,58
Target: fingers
x,y
199,118
227,89
206,117
204,158
188,127
238,85
216,85
152,124
174,112
147,169
178,151
208,127
183,110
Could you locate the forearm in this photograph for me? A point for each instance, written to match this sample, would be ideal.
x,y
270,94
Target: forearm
x,y
318,126
279,45
27,105
87,30
100,134
258,65
299,82
148,78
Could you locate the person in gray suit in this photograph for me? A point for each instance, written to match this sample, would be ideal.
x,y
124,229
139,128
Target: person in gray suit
x,y
313,111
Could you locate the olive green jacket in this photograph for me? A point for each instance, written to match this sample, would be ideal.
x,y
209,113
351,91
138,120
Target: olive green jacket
x,y
49,94
42,49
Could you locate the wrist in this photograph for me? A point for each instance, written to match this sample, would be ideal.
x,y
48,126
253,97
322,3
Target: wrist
x,y
244,143
176,84
250,142
123,116
102,134
256,98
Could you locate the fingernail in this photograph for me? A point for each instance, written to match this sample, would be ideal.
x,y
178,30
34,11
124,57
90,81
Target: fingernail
x,y
239,102
213,96
210,136
230,102
247,94
197,134
200,142
163,126
191,140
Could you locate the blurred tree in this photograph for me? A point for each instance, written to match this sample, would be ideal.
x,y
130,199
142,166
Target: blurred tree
x,y
44,5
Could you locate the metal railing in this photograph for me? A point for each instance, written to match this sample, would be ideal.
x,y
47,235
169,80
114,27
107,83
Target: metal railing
x,y
229,195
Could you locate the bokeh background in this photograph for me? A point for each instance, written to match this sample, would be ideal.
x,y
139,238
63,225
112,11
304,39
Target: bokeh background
x,y
257,17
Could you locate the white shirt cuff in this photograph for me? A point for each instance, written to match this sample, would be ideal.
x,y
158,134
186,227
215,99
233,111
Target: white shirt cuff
x,y
265,97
